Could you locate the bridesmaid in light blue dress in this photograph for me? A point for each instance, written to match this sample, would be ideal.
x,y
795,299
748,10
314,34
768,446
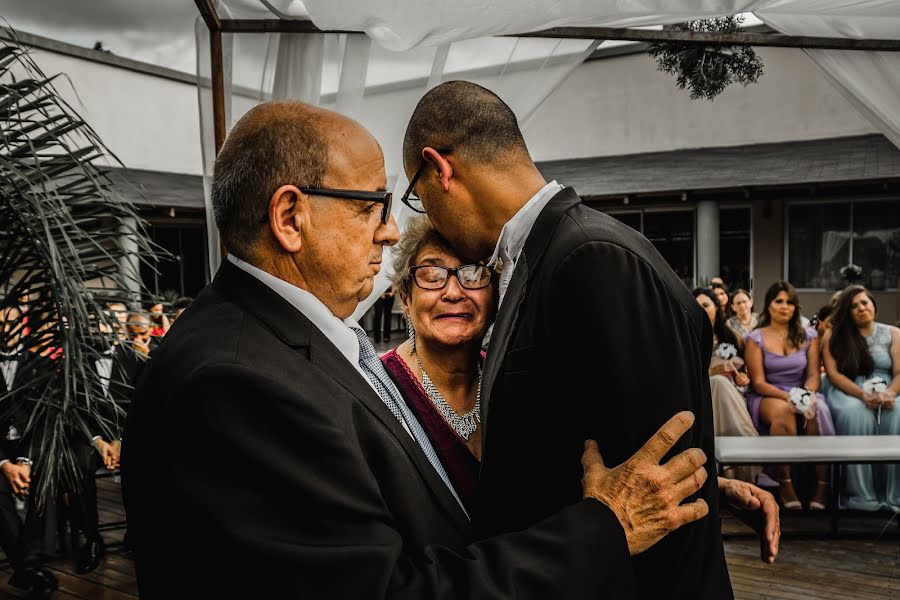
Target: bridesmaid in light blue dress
x,y
856,349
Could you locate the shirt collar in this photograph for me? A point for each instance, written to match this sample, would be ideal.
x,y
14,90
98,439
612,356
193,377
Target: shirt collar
x,y
339,332
516,230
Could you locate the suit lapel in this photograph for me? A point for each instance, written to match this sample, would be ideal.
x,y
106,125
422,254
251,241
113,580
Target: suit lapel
x,y
324,355
500,336
298,332
504,327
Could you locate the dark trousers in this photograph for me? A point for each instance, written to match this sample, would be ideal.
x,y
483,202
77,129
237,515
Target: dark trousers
x,y
23,544
85,517
383,315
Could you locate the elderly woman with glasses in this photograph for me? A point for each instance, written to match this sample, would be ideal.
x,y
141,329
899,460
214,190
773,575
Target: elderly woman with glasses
x,y
449,303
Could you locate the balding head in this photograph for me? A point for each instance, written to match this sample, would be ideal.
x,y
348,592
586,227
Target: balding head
x,y
275,143
468,119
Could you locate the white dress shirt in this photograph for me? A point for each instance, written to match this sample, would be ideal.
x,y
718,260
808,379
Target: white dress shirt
x,y
516,231
337,331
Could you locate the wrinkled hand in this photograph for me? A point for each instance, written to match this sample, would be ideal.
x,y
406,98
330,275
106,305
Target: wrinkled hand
x,y
758,509
19,477
644,495
741,379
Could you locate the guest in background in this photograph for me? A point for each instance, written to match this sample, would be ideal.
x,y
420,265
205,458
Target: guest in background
x,y
822,321
383,307
781,354
449,305
857,349
744,320
139,328
721,293
23,545
179,306
726,375
160,321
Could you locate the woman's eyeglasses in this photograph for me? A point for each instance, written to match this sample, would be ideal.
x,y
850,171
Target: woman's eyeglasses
x,y
432,277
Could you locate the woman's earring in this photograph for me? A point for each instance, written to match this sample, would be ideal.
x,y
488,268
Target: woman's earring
x,y
412,334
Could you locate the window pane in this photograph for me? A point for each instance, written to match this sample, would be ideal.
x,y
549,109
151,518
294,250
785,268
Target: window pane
x,y
734,247
673,235
632,219
818,244
876,242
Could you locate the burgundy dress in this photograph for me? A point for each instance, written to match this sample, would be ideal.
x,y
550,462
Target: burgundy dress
x,y
461,466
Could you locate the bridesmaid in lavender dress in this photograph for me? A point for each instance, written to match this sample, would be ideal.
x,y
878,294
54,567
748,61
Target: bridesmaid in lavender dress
x,y
781,354
449,306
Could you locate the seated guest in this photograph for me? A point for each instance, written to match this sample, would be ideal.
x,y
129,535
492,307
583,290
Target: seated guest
x,y
781,354
160,321
744,320
726,375
721,293
858,349
23,545
448,306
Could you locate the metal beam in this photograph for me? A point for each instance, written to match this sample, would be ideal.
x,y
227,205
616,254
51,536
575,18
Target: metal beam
x,y
218,87
776,40
210,15
274,26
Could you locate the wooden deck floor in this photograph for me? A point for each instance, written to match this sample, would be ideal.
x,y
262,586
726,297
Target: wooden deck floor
x,y
809,566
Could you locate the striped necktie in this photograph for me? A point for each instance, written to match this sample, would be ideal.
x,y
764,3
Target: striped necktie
x,y
375,372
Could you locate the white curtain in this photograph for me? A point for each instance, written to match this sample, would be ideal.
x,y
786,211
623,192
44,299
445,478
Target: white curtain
x,y
430,41
380,87
869,80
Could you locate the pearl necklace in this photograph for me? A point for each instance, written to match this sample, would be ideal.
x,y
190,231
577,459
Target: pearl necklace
x,y
465,424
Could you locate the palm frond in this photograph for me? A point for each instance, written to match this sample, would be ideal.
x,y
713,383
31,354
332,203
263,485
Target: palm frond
x,y
61,231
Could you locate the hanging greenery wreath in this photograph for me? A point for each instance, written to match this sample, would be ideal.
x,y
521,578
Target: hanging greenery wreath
x,y
708,70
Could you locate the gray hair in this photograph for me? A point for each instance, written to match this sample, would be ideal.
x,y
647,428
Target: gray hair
x,y
275,144
418,234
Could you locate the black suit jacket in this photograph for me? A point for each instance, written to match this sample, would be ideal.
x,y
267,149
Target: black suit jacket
x,y
283,475
596,338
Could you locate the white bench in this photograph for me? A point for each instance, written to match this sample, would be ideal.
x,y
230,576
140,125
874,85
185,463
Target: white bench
x,y
833,450
837,449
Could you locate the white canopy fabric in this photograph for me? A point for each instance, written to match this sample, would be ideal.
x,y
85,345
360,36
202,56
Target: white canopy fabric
x,y
425,42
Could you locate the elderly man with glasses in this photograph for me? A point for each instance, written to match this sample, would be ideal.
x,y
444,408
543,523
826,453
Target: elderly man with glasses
x,y
268,454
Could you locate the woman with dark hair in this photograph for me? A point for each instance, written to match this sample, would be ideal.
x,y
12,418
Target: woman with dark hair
x,y
857,350
781,355
721,293
726,374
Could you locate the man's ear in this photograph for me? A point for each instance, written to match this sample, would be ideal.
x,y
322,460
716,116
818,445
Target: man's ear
x,y
441,164
287,213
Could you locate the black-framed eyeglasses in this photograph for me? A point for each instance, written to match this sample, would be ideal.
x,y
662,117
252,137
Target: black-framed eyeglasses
x,y
410,199
433,277
385,198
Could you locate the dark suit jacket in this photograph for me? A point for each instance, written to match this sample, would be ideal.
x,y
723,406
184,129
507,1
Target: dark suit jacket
x,y
596,338
258,463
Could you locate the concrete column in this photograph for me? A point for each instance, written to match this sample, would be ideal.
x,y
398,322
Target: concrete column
x,y
707,241
129,262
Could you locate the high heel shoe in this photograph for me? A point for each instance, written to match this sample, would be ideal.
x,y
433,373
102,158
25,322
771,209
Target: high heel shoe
x,y
790,504
815,504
